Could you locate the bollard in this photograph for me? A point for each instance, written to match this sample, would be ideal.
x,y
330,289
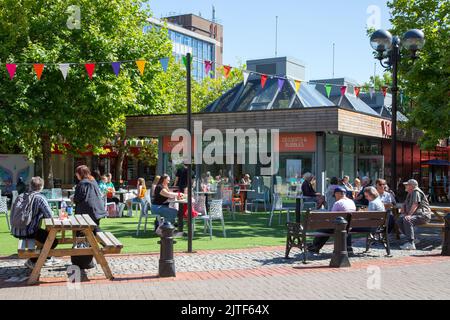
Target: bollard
x,y
446,244
340,254
166,261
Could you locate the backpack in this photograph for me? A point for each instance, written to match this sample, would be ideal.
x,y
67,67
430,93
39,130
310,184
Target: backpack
x,y
22,211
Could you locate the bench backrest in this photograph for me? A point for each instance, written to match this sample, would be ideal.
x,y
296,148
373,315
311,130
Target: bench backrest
x,y
315,220
367,219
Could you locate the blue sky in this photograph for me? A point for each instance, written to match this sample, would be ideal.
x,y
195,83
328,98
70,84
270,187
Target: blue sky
x,y
306,31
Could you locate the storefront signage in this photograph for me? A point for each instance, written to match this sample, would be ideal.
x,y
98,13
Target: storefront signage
x,y
386,128
297,142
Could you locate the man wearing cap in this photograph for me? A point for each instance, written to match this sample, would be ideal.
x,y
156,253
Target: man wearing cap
x,y
343,204
416,211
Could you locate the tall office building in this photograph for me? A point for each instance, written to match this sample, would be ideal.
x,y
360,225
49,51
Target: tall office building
x,y
199,36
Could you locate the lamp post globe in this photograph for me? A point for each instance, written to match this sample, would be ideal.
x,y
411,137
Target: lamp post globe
x,y
413,40
381,40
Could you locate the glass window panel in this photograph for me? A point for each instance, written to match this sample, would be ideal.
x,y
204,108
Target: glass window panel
x,y
284,97
332,164
348,165
332,143
348,145
247,96
267,94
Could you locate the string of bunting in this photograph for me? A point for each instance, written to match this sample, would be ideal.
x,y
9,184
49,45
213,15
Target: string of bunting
x,y
208,67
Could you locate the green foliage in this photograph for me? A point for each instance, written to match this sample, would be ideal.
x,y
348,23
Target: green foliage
x,y
78,111
379,82
427,80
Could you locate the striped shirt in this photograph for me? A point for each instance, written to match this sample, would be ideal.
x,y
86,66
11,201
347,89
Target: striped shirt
x,y
41,210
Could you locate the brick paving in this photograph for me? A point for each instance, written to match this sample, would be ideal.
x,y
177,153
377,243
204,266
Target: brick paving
x,y
258,273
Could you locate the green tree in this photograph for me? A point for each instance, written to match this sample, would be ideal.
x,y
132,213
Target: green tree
x,y
79,111
378,82
427,80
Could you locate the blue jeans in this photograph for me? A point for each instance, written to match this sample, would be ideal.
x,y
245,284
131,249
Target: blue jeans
x,y
169,214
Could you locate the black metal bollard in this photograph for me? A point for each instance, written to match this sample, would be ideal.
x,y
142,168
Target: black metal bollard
x,y
166,261
340,254
446,244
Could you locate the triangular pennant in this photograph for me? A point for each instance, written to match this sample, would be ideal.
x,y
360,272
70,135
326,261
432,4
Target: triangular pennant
x,y
371,91
343,90
90,67
208,67
64,68
280,84
116,68
297,85
384,89
38,68
328,89
263,80
226,70
246,75
141,66
357,91
164,63
184,59
11,67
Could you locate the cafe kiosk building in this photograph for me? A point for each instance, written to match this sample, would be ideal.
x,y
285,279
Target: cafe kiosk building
x,y
336,135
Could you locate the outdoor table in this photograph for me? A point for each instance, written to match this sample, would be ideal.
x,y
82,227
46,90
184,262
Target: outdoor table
x,y
121,194
76,223
180,212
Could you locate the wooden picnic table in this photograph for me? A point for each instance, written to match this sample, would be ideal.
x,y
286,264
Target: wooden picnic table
x,y
74,224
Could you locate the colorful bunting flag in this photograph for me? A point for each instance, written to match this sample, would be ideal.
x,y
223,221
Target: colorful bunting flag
x,y
357,91
141,66
263,80
384,89
38,68
328,89
64,68
226,70
208,67
11,67
90,67
371,91
116,68
184,59
246,75
343,90
297,85
164,63
280,84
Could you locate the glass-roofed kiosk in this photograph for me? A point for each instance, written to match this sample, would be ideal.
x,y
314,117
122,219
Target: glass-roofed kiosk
x,y
330,135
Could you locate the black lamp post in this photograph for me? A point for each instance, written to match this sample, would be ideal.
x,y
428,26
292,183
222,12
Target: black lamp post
x,y
388,50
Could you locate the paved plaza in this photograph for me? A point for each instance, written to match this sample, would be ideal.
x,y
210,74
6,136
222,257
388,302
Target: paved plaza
x,y
257,273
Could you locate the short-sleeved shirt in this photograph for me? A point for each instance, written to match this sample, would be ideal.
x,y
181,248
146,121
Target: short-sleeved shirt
x,y
344,205
376,205
417,196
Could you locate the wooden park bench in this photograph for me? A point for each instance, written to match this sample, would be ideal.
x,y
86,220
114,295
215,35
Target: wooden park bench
x,y
100,244
318,220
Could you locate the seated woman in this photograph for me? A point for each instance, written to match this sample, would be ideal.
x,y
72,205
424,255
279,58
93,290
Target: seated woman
x,y
141,191
160,203
309,192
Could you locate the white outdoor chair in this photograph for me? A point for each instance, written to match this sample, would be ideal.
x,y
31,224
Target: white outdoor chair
x,y
145,213
215,213
277,205
4,209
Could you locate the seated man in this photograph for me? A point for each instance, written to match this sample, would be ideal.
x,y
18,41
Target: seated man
x,y
26,214
343,204
416,211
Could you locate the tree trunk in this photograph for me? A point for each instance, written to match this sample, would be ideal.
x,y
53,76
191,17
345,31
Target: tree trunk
x,y
119,162
46,146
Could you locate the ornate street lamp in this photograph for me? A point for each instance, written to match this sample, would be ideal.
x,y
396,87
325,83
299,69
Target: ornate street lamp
x,y
388,52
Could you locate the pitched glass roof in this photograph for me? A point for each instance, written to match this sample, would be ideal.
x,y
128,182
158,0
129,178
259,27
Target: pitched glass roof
x,y
253,97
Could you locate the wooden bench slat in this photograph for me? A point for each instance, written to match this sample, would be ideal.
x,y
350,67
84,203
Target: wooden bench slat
x,y
74,222
114,240
57,222
48,222
104,239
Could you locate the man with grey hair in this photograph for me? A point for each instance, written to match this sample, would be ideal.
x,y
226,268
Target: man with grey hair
x,y
39,210
416,211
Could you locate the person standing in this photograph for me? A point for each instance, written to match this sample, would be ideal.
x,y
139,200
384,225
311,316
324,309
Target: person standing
x,y
181,178
416,211
140,197
21,187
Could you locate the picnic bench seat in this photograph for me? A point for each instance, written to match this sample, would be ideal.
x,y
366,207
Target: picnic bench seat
x,y
356,222
437,222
